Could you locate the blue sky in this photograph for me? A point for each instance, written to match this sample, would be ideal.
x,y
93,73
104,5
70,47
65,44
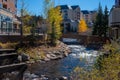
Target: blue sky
x,y
36,6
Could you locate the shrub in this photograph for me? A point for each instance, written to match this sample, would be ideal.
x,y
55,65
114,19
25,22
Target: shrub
x,y
108,67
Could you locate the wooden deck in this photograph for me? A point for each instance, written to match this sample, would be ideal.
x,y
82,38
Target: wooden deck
x,y
9,62
7,51
11,67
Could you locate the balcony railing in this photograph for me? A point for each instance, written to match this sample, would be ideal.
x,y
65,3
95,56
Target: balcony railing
x,y
9,31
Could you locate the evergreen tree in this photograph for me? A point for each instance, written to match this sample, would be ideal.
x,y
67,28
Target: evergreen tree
x,y
98,23
105,21
101,23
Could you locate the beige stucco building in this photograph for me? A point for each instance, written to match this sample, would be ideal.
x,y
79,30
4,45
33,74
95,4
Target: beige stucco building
x,y
89,17
9,24
42,26
114,21
71,17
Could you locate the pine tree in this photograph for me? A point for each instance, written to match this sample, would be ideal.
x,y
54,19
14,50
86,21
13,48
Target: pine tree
x,y
101,23
97,30
82,26
105,21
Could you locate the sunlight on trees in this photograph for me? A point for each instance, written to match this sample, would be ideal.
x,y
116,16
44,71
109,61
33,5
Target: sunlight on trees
x,y
100,27
27,27
55,19
82,26
107,66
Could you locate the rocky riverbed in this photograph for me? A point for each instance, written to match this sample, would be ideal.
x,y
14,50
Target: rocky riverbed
x,y
61,69
62,50
48,54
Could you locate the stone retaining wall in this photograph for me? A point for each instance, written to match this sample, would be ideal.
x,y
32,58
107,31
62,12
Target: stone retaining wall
x,y
17,38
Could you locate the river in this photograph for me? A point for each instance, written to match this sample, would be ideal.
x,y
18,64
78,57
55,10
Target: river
x,y
80,56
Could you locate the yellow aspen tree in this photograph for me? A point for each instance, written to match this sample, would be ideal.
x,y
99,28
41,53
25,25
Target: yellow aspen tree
x,y
55,19
82,26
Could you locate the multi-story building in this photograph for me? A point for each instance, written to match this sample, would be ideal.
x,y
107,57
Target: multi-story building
x,y
9,24
93,15
114,21
42,26
89,17
71,17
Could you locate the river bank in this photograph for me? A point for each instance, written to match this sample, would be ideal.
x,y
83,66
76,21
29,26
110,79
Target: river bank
x,y
61,69
45,53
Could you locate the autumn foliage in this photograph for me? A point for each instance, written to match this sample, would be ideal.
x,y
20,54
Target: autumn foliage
x,y
106,67
55,19
82,26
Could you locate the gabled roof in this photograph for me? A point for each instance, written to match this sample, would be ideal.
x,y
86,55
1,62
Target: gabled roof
x,y
64,6
69,7
88,12
85,12
74,7
93,11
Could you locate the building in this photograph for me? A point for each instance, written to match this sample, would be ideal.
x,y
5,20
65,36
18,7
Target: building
x,y
114,21
9,24
42,26
89,17
71,18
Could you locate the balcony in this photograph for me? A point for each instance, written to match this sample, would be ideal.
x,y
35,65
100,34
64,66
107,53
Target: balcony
x,y
9,31
6,12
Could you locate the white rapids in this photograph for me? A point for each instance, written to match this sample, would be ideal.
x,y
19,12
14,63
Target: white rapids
x,y
81,52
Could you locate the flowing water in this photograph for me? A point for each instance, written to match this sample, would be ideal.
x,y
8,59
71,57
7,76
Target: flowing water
x,y
80,56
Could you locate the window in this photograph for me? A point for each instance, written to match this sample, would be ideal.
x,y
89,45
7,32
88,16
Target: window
x,y
9,29
66,14
9,9
0,5
65,11
4,0
15,2
5,6
65,17
119,2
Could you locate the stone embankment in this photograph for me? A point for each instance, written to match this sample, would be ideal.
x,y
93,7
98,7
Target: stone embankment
x,y
62,50
46,53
